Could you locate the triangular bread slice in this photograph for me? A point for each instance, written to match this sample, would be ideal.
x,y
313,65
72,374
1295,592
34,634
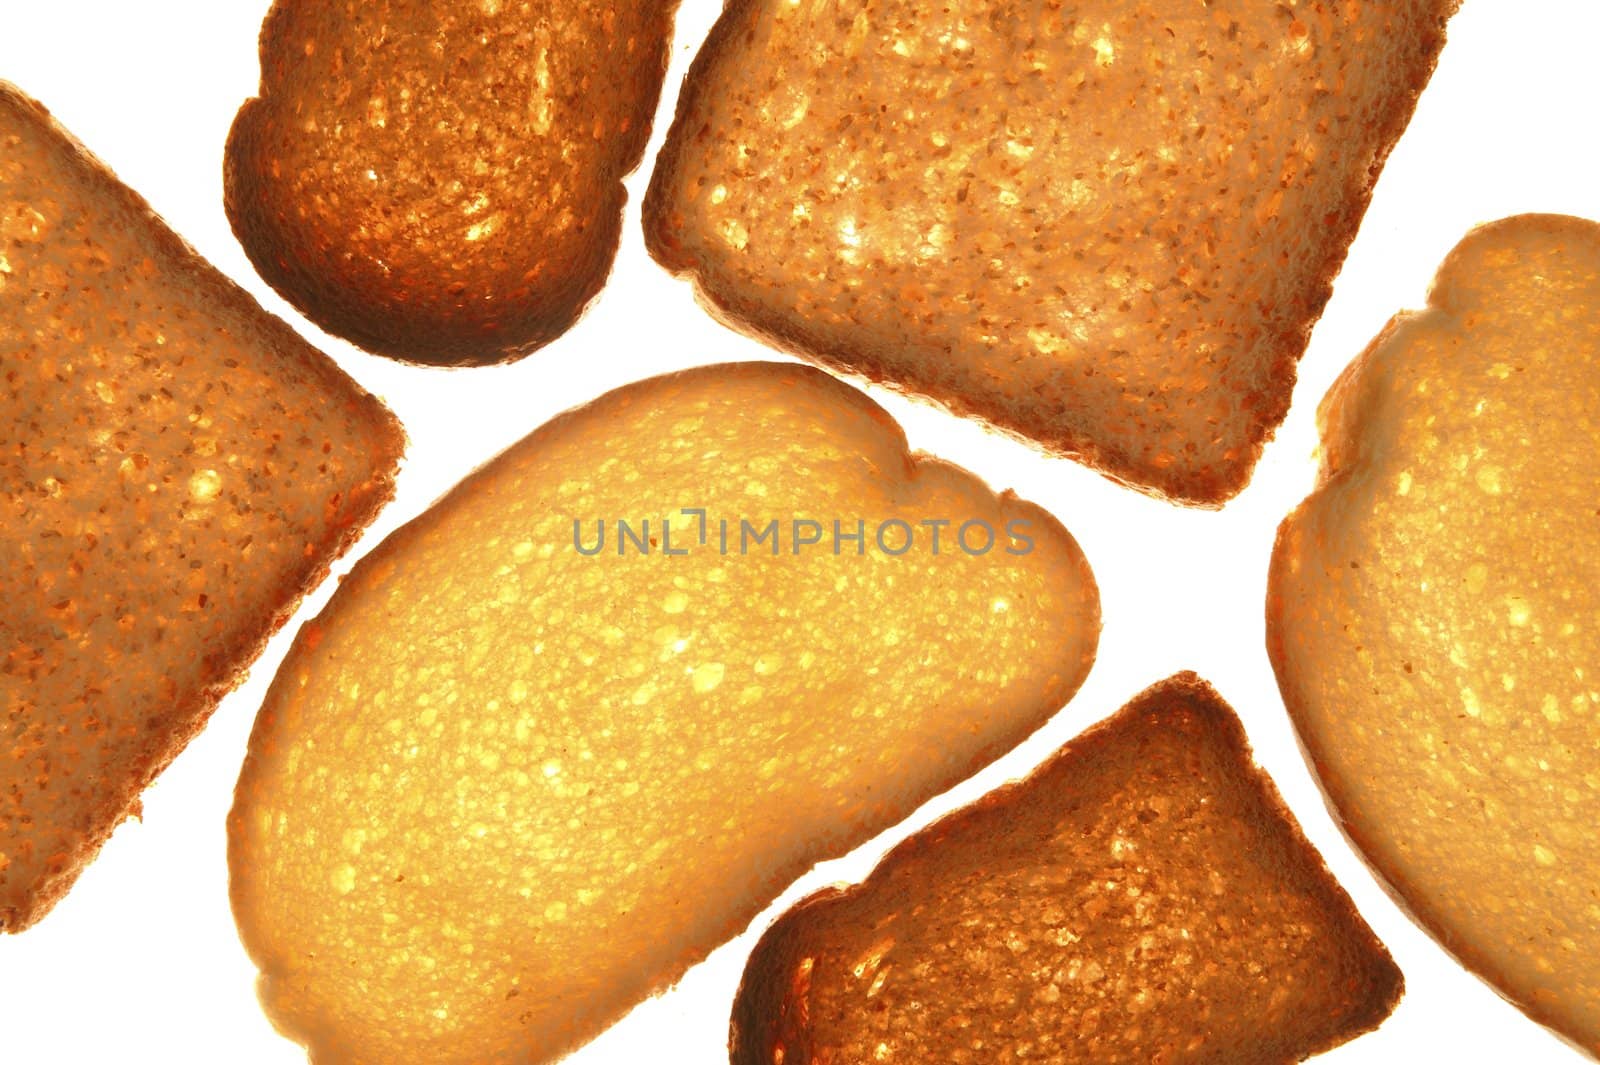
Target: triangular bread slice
x,y
177,468
1143,896
580,722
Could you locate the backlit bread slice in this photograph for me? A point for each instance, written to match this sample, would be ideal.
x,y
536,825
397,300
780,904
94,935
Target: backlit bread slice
x,y
1107,227
441,180
1142,897
1434,612
503,789
176,469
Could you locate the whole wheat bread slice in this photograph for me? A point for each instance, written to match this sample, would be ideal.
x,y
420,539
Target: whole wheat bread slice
x,y
1105,227
177,468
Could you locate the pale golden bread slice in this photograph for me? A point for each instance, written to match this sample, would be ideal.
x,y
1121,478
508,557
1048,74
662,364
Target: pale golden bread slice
x,y
1107,227
1433,612
442,181
1143,896
176,469
503,789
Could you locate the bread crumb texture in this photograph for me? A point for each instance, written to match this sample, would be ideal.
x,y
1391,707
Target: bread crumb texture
x,y
1144,896
503,789
1434,605
441,181
1105,227
176,469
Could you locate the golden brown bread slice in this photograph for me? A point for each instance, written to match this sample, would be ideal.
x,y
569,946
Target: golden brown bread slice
x,y
1107,227
1433,608
442,181
1143,896
502,789
176,469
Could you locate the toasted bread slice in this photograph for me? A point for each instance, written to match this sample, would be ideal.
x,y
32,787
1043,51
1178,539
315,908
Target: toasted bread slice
x,y
531,764
1106,227
1432,612
176,468
1144,896
442,182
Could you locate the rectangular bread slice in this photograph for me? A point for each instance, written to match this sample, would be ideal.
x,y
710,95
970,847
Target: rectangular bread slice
x,y
1105,227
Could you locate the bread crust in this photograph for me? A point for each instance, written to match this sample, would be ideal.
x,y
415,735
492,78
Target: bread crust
x,y
442,182
1068,285
986,934
179,468
1447,543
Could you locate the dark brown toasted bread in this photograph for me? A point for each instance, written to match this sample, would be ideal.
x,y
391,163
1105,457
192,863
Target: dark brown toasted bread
x,y
176,469
1107,227
442,182
1142,897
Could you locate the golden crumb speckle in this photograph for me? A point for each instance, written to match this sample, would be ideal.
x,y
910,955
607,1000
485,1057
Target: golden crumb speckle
x,y
205,486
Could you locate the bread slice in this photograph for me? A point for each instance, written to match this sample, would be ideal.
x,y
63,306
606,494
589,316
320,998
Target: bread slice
x,y
504,788
1105,227
442,182
1432,610
1144,896
176,469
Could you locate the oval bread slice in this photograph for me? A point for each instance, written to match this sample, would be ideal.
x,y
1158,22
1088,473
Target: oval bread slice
x,y
1434,612
504,788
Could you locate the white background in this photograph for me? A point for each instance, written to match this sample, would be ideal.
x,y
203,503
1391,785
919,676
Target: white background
x,y
141,962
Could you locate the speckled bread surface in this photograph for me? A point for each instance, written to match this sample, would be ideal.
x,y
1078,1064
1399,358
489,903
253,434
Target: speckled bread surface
x,y
441,181
1433,612
176,469
1144,896
1106,227
516,778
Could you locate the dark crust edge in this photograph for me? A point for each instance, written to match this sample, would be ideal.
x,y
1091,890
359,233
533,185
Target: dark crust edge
x,y
1206,488
359,505
760,1001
